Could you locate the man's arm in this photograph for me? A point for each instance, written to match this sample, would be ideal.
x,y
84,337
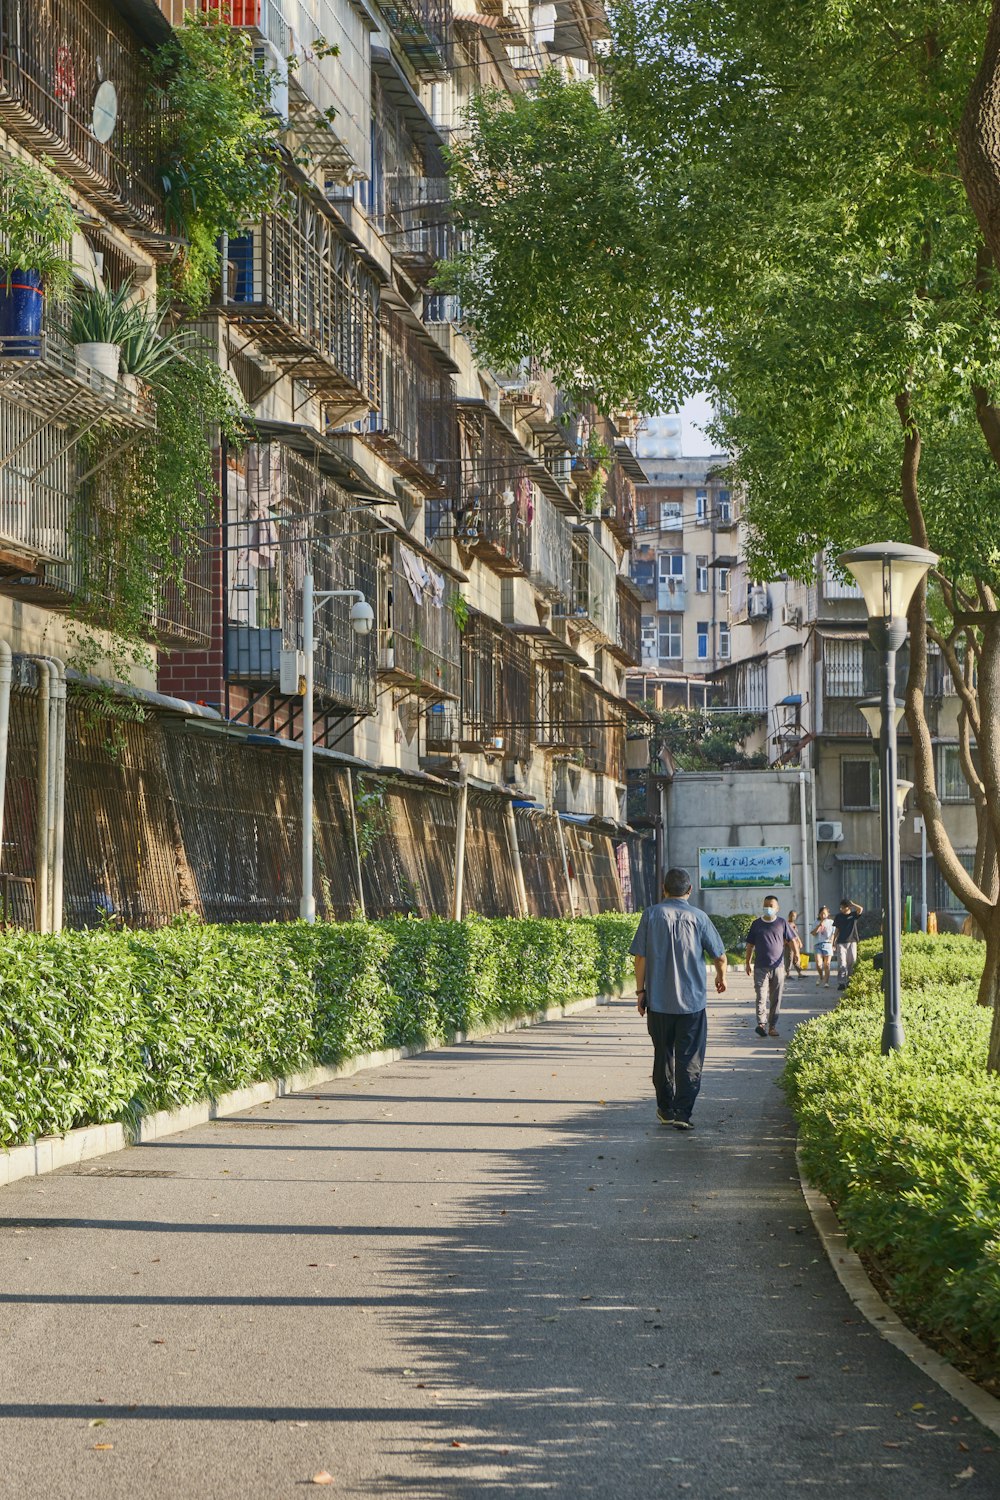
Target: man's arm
x,y
640,983
721,965
748,956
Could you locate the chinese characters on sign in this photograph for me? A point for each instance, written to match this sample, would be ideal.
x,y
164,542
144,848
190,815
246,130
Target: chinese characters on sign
x,y
731,868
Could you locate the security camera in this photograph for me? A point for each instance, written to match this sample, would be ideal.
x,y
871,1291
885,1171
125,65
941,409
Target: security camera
x,y
362,617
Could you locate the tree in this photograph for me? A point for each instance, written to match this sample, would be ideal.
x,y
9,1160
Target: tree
x,y
700,740
800,198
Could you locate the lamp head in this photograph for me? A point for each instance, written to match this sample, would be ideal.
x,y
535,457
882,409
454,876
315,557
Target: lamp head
x,y
362,617
888,575
903,789
871,710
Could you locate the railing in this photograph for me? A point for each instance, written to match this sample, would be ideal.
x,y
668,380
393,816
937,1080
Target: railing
x,y
421,646
497,707
491,513
415,426
605,721
309,300
60,60
417,223
282,517
559,707
594,597
628,637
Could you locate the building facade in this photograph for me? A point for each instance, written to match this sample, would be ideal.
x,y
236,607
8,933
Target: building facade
x,y
683,554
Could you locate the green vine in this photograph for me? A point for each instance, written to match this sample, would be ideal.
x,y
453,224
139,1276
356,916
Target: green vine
x,y
370,814
223,168
459,606
599,454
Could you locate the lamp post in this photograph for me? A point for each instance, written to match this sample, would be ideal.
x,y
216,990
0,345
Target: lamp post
x,y
888,575
362,620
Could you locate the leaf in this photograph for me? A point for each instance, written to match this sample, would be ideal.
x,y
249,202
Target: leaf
x,y
965,1473
102,1447
323,1477
98,1422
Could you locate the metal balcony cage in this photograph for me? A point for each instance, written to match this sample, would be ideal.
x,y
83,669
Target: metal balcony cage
x,y
414,427
409,195
493,508
550,548
421,643
627,644
72,72
309,302
559,708
284,516
423,30
497,696
594,597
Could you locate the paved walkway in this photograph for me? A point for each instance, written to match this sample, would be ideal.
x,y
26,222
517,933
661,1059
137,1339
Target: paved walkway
x,y
482,1272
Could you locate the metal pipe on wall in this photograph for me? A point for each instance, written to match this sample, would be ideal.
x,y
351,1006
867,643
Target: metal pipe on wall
x,y
42,801
565,865
59,796
357,846
515,853
6,678
807,894
463,807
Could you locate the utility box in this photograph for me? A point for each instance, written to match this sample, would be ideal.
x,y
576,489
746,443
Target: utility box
x,y
292,673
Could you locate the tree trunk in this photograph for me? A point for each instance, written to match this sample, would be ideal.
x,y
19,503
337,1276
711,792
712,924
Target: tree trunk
x,y
989,989
979,139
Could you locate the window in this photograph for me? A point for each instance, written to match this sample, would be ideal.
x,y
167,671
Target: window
x,y
723,580
671,637
670,515
701,575
642,516
701,506
858,784
843,669
723,642
672,568
724,505
952,785
702,640
643,572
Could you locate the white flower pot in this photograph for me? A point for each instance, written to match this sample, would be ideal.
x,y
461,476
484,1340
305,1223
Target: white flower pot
x,y
99,359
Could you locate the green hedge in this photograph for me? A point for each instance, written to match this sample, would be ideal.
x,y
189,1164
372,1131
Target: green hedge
x,y
733,930
96,1026
908,1147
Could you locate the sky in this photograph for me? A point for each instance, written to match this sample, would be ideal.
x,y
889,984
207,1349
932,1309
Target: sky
x,y
695,413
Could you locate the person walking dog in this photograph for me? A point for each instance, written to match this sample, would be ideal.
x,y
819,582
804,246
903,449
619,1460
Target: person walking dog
x,y
671,980
767,940
845,938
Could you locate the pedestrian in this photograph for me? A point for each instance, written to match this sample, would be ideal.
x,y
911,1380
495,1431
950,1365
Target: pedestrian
x,y
823,933
791,955
671,980
769,936
845,937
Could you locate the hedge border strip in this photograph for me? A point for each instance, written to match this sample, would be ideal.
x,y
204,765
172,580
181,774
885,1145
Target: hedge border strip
x,y
887,1323
50,1153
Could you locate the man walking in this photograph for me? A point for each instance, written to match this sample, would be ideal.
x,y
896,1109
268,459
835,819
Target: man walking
x,y
845,936
669,948
765,960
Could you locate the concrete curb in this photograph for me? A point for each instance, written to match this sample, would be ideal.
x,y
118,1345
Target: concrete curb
x,y
854,1279
49,1153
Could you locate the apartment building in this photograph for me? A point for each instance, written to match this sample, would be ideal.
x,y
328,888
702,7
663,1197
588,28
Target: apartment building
x,y
477,513
801,660
683,553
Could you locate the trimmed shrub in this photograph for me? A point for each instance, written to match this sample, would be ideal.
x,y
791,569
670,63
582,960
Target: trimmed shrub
x,y
95,1026
908,1147
733,930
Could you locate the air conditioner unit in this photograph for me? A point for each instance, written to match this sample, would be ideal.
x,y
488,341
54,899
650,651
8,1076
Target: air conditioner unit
x,y
830,833
758,604
791,614
291,672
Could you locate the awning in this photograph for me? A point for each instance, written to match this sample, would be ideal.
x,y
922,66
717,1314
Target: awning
x,y
628,461
399,92
327,454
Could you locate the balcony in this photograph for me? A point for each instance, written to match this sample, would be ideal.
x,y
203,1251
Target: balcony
x,y
671,595
423,30
559,708
593,605
550,552
497,707
310,304
283,516
55,55
415,427
627,644
421,646
604,721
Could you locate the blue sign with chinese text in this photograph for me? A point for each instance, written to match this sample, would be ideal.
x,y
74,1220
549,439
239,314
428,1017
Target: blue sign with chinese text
x,y
720,869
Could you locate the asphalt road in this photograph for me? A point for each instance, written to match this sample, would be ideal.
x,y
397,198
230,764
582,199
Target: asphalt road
x,y
482,1272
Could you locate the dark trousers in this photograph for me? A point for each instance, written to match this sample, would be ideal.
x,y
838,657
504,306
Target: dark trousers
x,y
678,1058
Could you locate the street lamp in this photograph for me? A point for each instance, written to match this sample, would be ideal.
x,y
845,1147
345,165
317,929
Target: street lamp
x,y
888,575
362,620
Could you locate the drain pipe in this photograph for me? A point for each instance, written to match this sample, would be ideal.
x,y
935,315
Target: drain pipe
x,y
42,801
807,893
463,807
515,852
6,677
59,796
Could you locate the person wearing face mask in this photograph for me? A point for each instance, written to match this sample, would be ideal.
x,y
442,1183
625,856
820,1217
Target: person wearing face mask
x,y
765,960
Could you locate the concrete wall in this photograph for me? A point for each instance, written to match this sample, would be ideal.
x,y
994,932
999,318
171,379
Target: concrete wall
x,y
740,809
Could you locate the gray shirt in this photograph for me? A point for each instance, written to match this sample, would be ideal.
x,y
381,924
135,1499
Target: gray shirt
x,y
673,938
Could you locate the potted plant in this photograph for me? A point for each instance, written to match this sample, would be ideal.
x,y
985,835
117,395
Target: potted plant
x,y
149,346
37,224
100,322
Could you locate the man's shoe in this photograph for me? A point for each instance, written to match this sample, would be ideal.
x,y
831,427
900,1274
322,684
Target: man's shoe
x,y
664,1116
761,1030
679,1123
773,1031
